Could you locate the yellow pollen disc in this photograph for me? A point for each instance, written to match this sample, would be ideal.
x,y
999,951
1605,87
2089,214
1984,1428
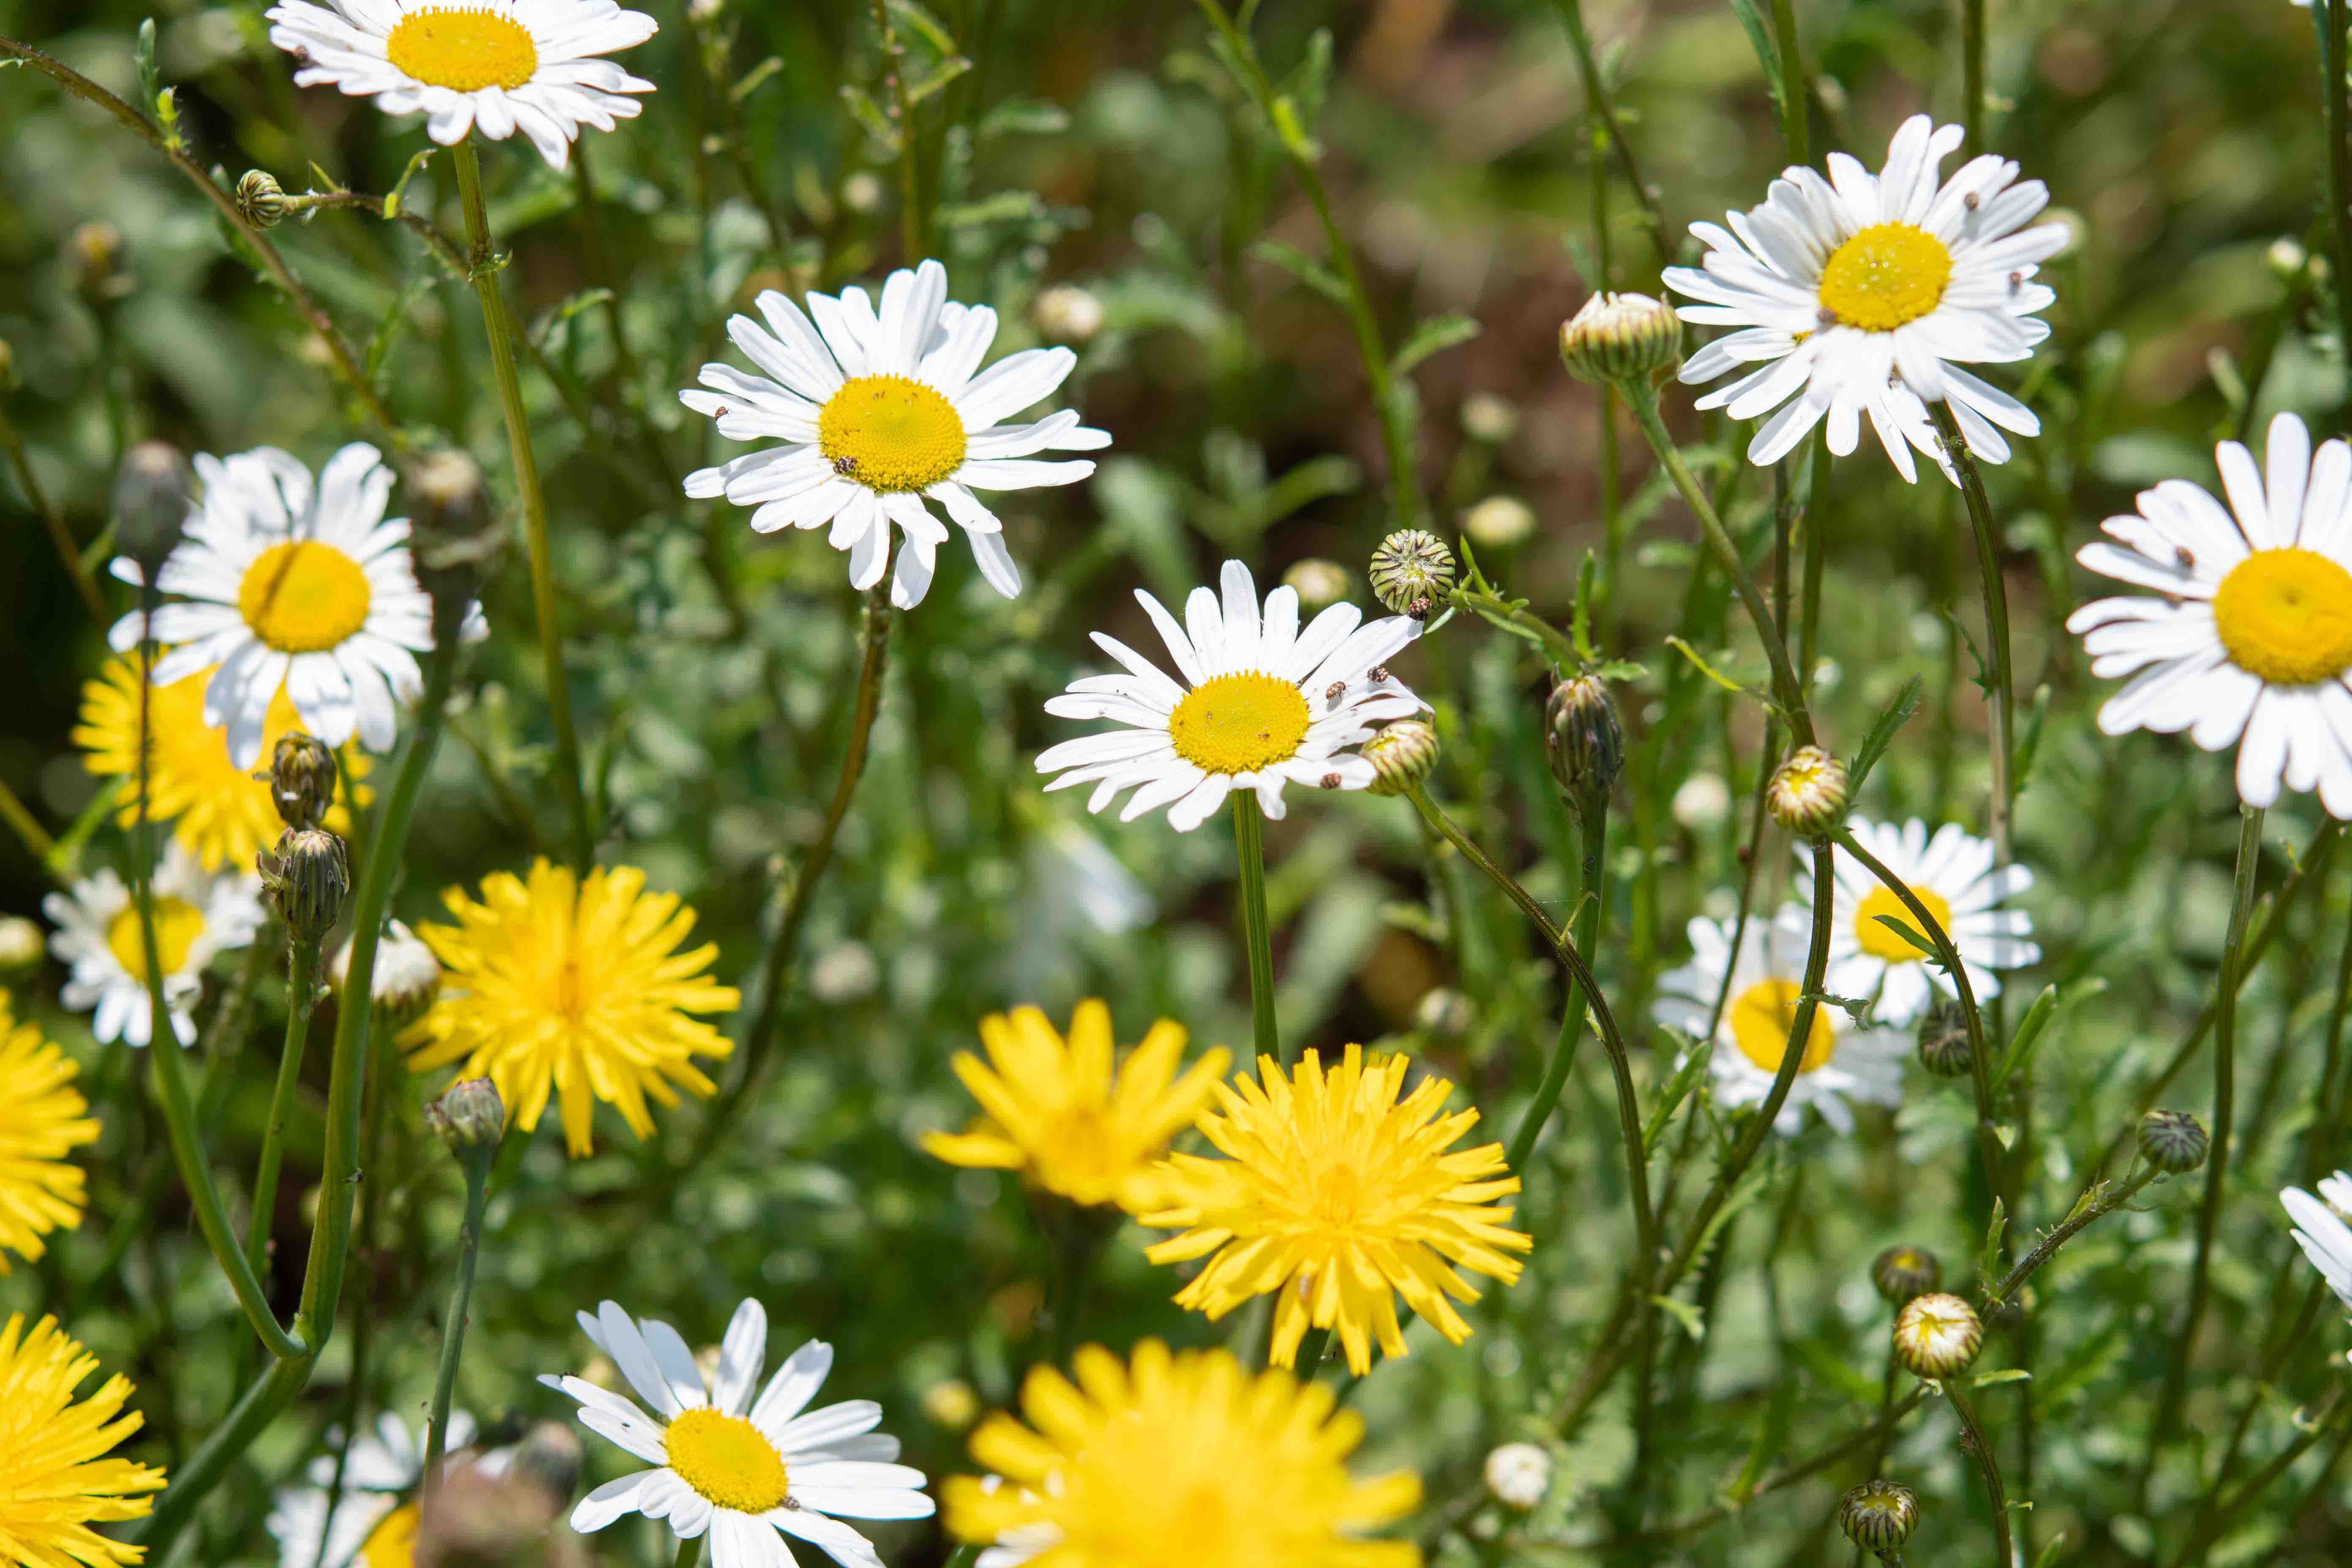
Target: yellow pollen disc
x,y
1761,1017
1239,723
727,1459
890,433
464,49
392,1542
304,596
1888,274
2287,615
1878,941
178,924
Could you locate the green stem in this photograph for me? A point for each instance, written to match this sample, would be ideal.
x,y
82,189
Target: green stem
x,y
2217,1161
500,329
301,987
2334,1086
51,520
902,120
37,839
1972,83
2092,1207
1596,93
1257,937
1793,95
2337,95
2260,1481
1995,600
1594,825
476,1162
1980,1446
689,1551
1523,622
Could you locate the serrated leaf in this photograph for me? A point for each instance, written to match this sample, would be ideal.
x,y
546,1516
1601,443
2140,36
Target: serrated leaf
x,y
923,22
1303,268
1989,1261
1693,1321
1686,1077
947,71
869,115
1623,669
1433,336
1023,117
1891,719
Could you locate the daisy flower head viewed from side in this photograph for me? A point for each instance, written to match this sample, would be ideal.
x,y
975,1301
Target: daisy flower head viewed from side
x,y
373,1523
2321,1231
42,1119
557,987
495,65
288,584
1863,294
1173,1460
221,812
1337,1192
1760,985
1059,1113
734,1460
881,408
1953,875
2249,643
198,913
1257,703
55,1480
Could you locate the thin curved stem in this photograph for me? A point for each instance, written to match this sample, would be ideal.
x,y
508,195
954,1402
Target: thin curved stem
x,y
52,520
500,329
301,987
476,1162
1995,600
1988,1463
1597,93
1594,825
1972,84
2094,1205
1257,937
2334,16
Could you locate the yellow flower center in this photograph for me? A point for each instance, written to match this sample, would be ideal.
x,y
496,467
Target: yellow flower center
x,y
1761,1017
1888,274
1079,1152
303,596
392,1542
1879,942
178,924
889,433
1239,723
2287,615
727,1459
463,47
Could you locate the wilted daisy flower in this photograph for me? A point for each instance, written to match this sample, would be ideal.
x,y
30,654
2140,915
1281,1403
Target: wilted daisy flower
x,y
1863,293
1954,876
222,812
375,1517
198,913
42,1119
1172,1461
738,1468
557,987
2320,1230
294,585
879,411
497,66
55,1481
1260,704
1838,1062
1336,1192
2251,644
1058,1113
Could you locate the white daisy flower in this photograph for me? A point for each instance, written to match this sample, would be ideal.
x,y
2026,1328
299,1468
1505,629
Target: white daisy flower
x,y
2251,644
1954,876
1260,703
374,1518
879,410
739,1468
2321,1232
1863,294
497,66
294,585
1840,1061
198,913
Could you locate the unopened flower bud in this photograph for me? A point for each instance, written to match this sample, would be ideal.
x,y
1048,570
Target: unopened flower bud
x,y
94,261
153,491
1878,1516
1316,582
1500,522
455,534
1518,1474
309,879
301,779
1583,740
1444,1011
469,1115
1412,571
2172,1141
1937,1335
1068,314
21,945
1490,417
1403,754
1902,1272
261,200
1622,340
1808,792
1945,1048
407,977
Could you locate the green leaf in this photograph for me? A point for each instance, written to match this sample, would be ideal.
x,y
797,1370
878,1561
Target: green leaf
x,y
1834,1369
757,76
947,71
1023,116
1303,268
1772,1439
2029,745
2038,1018
923,22
1693,1321
1713,674
1989,1262
1433,336
1768,55
867,113
1293,132
2050,1550
1907,934
1686,1077
1995,1379
1309,84
151,80
1891,719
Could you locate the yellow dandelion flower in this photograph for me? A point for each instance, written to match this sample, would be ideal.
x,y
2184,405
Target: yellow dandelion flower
x,y
1058,1113
558,986
225,812
1177,1460
53,1482
1335,1193
41,1122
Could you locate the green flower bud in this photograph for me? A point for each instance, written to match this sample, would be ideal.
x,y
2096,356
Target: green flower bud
x,y
1622,340
1403,754
153,492
1945,1048
1583,740
301,779
308,877
469,1115
1412,571
1878,1516
1937,1336
1807,796
1902,1272
2172,1141
261,200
